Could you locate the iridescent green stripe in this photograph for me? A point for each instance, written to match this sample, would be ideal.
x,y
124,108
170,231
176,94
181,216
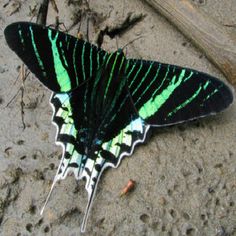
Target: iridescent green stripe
x,y
63,78
185,103
21,36
97,78
143,79
190,75
211,94
136,75
109,58
75,63
147,88
127,65
98,61
173,69
68,41
122,103
82,60
163,81
111,76
131,71
36,52
206,85
118,110
121,64
101,58
153,105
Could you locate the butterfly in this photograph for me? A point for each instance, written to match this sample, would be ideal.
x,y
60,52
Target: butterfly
x,y
104,104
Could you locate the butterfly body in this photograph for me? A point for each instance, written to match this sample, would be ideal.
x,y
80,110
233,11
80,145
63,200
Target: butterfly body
x,y
104,103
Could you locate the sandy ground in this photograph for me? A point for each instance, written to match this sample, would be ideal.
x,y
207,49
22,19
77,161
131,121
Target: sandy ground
x,y
186,175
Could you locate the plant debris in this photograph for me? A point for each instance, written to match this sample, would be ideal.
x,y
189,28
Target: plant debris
x,y
118,28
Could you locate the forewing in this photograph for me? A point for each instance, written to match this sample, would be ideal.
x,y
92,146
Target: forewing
x,y
167,94
60,61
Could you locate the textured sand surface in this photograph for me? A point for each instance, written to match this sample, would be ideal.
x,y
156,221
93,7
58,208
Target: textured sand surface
x,y
185,175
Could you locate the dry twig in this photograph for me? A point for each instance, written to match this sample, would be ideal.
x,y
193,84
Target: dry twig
x,y
207,34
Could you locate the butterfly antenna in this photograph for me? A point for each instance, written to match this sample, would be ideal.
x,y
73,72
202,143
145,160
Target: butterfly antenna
x,y
131,42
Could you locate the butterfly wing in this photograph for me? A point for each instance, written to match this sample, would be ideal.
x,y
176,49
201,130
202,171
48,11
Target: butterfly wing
x,y
76,160
165,94
60,61
97,125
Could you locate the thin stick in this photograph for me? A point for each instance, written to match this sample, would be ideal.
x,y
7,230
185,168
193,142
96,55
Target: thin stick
x,y
22,89
22,105
13,98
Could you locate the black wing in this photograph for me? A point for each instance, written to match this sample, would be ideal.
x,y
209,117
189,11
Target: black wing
x,y
167,94
60,61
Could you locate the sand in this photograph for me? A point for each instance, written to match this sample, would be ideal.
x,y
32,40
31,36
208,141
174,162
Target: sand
x,y
185,175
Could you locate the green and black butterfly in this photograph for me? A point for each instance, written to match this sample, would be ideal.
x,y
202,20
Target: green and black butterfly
x,y
104,103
